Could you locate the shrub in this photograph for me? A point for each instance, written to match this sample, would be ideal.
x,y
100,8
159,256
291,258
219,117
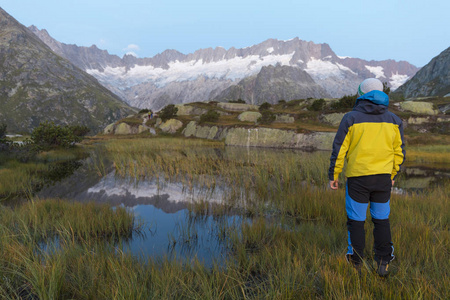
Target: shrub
x,y
237,101
168,112
48,135
267,117
79,130
210,116
386,89
282,101
317,105
265,106
347,101
2,130
145,110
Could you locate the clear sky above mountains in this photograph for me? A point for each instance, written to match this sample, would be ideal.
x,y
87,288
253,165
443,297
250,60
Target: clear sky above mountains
x,y
415,31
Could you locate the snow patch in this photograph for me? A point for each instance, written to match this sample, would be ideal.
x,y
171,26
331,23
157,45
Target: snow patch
x,y
270,50
343,57
235,68
377,71
320,69
397,80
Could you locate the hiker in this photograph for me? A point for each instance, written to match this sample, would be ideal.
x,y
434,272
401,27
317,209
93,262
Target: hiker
x,y
370,139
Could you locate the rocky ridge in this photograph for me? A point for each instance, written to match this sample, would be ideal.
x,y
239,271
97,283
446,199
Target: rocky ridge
x,y
173,77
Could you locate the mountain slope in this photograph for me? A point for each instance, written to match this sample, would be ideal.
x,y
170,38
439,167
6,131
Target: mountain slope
x,y
145,82
273,83
37,85
432,80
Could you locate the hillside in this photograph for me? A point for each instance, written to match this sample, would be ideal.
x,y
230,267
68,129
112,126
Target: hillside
x,y
432,80
38,85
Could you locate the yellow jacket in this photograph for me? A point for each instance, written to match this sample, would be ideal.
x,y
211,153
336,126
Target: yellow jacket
x,y
370,138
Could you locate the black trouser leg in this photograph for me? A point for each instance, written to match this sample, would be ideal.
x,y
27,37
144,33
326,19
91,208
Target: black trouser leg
x,y
383,246
357,238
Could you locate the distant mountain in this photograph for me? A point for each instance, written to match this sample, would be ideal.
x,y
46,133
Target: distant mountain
x,y
273,83
173,77
37,85
432,80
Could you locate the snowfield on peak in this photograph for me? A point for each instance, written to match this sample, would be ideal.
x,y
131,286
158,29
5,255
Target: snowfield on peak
x,y
377,71
234,69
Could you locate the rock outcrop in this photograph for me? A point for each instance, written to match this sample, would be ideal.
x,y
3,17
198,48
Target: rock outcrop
x,y
262,137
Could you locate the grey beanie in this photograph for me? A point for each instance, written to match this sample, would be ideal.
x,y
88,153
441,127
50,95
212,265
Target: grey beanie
x,y
369,85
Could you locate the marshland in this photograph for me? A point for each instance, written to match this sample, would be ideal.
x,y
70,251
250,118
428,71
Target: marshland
x,y
141,217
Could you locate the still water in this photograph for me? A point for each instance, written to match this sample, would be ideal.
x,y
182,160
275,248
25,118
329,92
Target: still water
x,y
172,230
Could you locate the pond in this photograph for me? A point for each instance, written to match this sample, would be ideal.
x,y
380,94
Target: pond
x,y
169,205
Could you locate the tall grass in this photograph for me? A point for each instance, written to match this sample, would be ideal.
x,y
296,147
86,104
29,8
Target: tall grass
x,y
292,247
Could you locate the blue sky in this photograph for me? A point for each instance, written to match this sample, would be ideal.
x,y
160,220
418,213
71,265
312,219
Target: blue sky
x,y
415,31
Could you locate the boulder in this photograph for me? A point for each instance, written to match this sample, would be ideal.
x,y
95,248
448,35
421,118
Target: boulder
x,y
262,137
186,110
249,116
237,106
333,119
203,132
418,120
109,129
171,126
419,107
123,128
284,119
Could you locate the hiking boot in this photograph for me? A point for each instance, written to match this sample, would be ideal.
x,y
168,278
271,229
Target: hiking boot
x,y
383,268
355,262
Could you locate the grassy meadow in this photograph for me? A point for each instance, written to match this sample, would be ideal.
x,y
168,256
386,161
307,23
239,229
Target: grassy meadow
x,y
291,246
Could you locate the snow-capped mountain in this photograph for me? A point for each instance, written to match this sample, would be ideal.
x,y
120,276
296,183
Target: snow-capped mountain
x,y
174,77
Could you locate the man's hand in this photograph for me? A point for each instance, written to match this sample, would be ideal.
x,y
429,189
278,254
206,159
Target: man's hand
x,y
334,184
393,181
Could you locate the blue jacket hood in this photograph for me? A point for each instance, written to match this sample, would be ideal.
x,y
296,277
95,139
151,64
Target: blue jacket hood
x,y
376,97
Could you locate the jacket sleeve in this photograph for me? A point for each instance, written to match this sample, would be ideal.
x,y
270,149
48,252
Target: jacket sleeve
x,y
340,147
399,151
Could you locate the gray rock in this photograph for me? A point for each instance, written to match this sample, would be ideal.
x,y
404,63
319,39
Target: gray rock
x,y
419,107
171,126
262,137
109,129
186,110
237,106
123,128
284,119
249,116
333,119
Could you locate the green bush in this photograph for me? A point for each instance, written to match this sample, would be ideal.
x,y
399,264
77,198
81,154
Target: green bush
x,y
317,105
210,116
347,101
237,101
48,135
79,130
267,117
265,106
145,110
168,112
2,130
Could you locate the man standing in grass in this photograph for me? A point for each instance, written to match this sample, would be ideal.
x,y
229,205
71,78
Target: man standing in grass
x,y
370,139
